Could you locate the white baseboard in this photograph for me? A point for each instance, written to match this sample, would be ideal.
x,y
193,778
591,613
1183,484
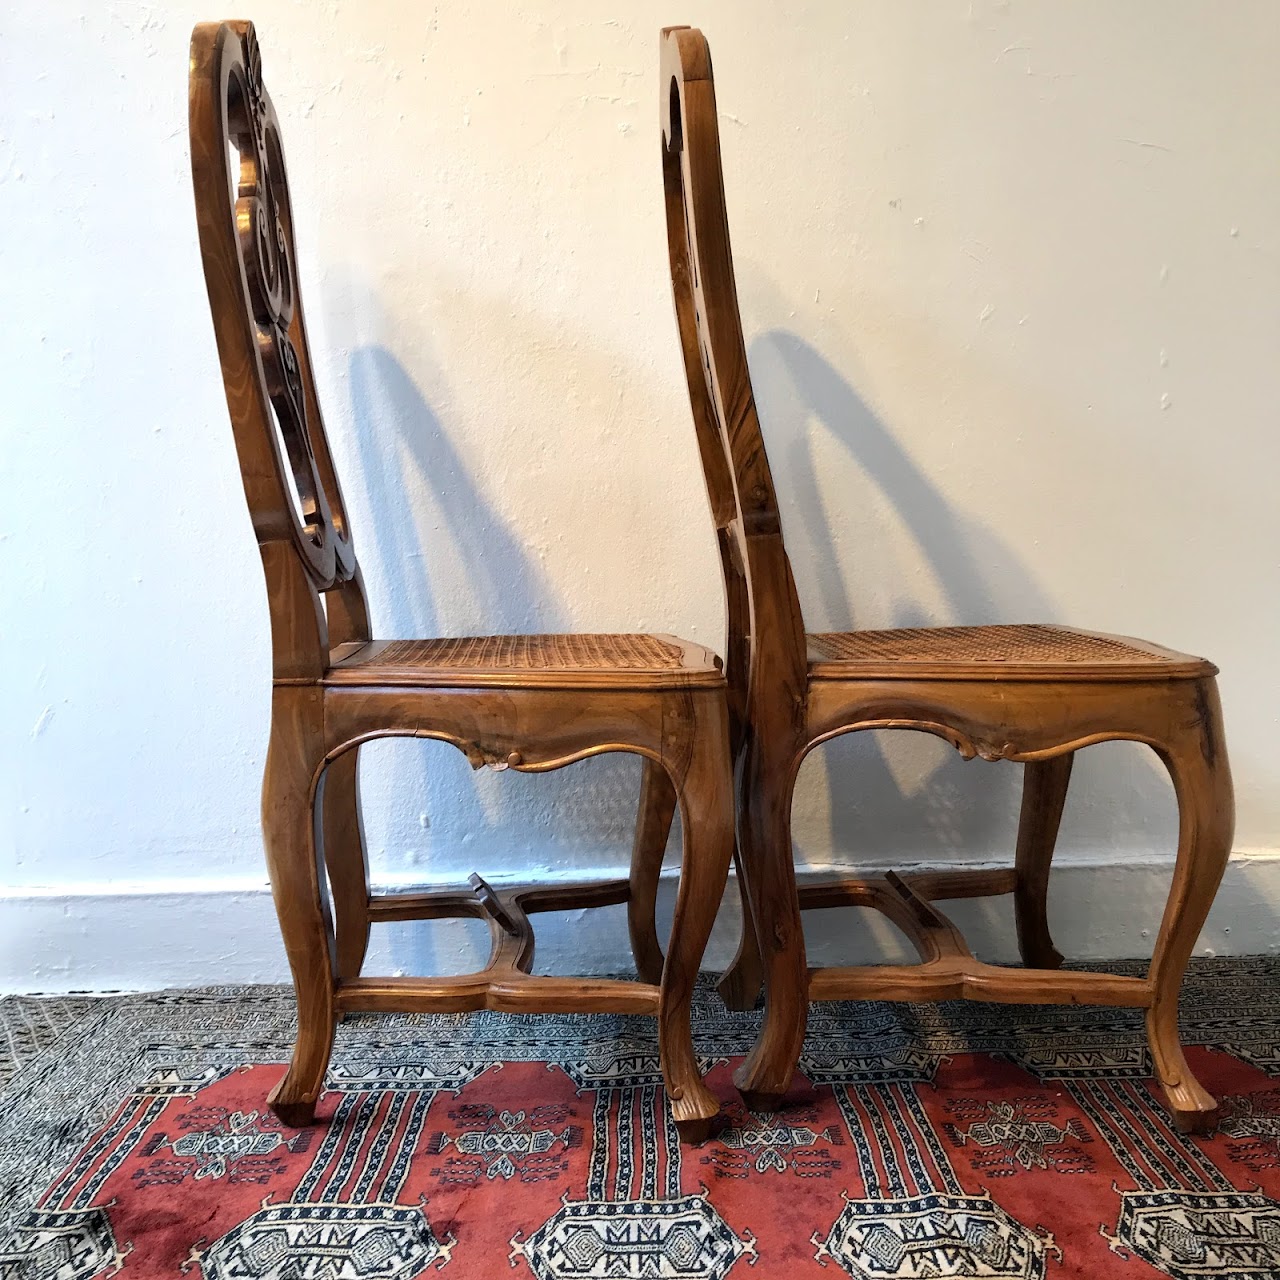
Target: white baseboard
x,y
130,937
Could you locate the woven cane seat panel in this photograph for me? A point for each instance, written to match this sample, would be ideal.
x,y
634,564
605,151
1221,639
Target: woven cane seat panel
x,y
1013,645
535,653
566,660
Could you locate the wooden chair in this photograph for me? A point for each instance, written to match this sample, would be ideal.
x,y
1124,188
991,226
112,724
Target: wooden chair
x,y
1034,694
532,703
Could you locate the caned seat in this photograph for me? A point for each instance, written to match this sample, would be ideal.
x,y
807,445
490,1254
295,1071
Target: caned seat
x,y
1026,693
1003,652
531,703
562,661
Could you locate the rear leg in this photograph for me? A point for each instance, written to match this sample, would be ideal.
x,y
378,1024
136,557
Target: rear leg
x,y
653,825
288,828
740,983
766,861
704,784
1044,791
346,861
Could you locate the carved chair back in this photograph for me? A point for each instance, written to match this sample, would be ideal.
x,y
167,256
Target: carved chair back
x,y
766,665
246,231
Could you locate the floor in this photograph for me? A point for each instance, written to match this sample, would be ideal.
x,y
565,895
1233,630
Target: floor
x,y
920,1141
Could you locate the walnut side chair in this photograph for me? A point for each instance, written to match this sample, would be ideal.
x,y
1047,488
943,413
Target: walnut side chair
x,y
1034,694
531,703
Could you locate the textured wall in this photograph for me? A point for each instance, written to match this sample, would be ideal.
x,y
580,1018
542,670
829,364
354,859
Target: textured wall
x,y
1008,274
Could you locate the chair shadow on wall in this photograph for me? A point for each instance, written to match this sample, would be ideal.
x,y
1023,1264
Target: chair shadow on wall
x,y
405,454
404,450
961,808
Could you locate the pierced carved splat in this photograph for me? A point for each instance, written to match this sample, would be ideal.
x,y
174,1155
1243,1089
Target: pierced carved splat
x,y
246,223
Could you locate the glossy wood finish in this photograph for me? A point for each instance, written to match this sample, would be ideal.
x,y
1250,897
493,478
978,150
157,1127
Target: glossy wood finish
x,y
531,703
1024,693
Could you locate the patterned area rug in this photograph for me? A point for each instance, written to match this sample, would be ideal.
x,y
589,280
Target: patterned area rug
x,y
938,1141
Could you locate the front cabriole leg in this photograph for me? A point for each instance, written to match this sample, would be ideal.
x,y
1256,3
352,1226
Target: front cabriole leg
x,y
1197,763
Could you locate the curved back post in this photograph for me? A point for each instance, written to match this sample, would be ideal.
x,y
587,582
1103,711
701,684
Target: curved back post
x,y
767,666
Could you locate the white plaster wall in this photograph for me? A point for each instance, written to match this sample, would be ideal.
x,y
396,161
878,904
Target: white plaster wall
x,y
1009,278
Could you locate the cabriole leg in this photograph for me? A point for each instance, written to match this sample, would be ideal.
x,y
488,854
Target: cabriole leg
x,y
288,829
1197,764
704,786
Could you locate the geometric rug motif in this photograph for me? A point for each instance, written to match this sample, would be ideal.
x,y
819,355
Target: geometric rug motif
x,y
1217,1234
953,1140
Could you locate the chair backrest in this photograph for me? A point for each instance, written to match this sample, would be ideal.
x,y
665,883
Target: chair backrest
x,y
246,242
766,665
